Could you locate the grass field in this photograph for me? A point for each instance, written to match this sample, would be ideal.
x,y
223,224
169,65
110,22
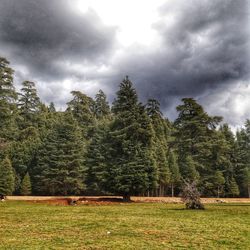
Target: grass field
x,y
25,225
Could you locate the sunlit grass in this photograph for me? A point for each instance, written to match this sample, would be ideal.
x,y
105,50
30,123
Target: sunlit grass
x,y
123,226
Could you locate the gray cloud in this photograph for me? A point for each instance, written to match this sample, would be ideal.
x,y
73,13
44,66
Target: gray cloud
x,y
48,36
204,47
203,52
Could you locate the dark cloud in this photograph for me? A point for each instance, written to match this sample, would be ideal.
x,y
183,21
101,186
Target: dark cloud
x,y
202,52
48,36
204,45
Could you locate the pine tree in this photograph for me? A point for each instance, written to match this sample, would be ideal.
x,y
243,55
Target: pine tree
x,y
159,145
233,189
101,108
29,103
242,168
59,166
131,169
7,178
52,108
195,136
7,102
82,108
97,159
219,181
26,185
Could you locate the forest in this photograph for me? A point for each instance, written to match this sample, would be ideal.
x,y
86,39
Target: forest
x,y
127,148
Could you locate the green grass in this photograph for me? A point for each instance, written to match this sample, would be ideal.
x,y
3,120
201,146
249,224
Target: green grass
x,y
131,226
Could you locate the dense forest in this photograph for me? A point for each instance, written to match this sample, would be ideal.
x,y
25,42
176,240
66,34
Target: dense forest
x,y
127,149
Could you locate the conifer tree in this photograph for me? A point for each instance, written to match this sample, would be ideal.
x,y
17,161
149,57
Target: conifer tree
x,y
195,136
219,181
29,103
233,189
59,169
97,160
82,108
131,169
26,185
101,107
242,170
7,178
52,108
159,145
7,101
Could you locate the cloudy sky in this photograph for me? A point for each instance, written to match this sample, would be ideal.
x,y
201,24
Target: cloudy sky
x,y
170,49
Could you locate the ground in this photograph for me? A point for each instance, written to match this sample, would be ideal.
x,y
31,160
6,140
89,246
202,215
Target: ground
x,y
117,225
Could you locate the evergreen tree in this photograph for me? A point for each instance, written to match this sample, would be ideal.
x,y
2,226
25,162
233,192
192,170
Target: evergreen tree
x,y
159,145
29,103
102,108
82,108
26,185
97,159
195,137
59,166
219,181
246,180
233,189
23,151
52,108
7,178
7,102
131,169
243,159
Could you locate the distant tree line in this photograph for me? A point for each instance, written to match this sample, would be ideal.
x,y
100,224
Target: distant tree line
x,y
127,149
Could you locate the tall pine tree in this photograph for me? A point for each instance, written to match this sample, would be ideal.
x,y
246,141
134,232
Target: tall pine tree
x,y
7,178
131,168
59,169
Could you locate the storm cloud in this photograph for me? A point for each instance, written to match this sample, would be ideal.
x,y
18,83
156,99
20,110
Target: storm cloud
x,y
48,37
201,51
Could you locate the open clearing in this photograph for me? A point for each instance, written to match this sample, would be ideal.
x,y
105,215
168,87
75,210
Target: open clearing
x,y
26,225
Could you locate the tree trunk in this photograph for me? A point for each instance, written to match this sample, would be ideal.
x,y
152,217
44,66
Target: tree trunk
x,y
248,191
172,189
126,198
218,192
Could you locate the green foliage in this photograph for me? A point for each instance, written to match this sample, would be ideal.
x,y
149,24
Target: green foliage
x,y
159,147
130,166
28,103
59,164
26,185
128,149
7,178
7,101
101,106
233,189
219,181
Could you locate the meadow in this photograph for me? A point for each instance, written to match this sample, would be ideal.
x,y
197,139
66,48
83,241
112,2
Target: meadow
x,y
26,225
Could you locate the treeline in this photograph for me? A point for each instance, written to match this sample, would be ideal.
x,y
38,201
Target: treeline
x,y
127,149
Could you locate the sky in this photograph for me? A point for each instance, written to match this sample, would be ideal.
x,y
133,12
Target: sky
x,y
170,49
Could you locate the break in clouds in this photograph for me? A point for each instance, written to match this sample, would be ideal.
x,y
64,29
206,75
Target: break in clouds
x,y
201,51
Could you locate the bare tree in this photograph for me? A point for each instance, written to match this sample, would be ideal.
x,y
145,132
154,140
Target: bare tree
x,y
191,196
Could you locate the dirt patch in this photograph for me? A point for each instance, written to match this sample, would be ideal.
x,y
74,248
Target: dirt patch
x,y
79,201
62,202
109,200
